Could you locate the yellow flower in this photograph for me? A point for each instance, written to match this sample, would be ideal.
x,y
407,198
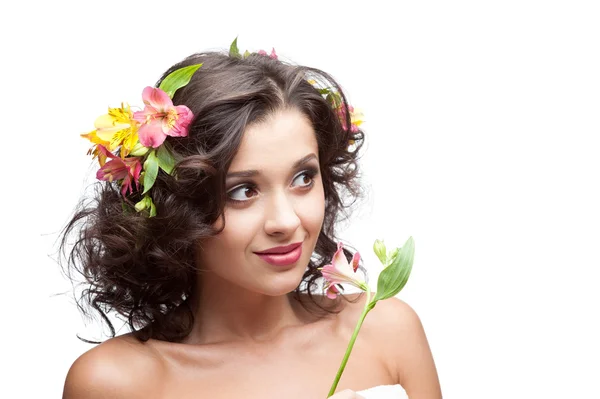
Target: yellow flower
x,y
91,136
117,128
356,117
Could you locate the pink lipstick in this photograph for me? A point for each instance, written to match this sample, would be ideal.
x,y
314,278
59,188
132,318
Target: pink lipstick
x,y
282,256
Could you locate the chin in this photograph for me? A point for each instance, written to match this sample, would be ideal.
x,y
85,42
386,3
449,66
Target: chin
x,y
282,285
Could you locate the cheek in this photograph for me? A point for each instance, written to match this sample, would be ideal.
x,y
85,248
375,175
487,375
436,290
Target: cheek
x,y
233,240
240,228
313,209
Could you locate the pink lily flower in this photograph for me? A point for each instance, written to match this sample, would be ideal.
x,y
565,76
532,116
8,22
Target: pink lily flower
x,y
160,118
340,271
127,169
331,291
273,54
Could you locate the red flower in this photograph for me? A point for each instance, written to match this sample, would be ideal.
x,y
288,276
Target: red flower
x,y
126,169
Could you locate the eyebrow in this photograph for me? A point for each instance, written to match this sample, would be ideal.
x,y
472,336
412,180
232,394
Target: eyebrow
x,y
254,172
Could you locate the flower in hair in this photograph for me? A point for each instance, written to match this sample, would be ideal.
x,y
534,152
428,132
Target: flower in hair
x,y
127,170
134,143
234,52
272,55
332,96
117,128
160,118
356,118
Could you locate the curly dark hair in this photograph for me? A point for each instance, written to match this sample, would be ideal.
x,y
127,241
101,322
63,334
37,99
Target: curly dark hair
x,y
143,268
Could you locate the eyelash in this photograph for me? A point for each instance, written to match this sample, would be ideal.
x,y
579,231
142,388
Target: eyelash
x,y
310,173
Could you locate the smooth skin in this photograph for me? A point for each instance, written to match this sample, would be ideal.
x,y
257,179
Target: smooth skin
x,y
250,338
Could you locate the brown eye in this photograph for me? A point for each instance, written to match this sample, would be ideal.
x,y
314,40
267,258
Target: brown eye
x,y
241,193
303,180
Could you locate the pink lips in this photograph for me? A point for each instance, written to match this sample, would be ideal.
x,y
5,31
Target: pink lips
x,y
282,256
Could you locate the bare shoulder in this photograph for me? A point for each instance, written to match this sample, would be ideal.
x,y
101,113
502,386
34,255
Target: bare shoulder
x,y
391,313
394,330
121,367
396,317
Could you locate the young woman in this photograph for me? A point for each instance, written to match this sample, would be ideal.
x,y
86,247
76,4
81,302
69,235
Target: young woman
x,y
216,265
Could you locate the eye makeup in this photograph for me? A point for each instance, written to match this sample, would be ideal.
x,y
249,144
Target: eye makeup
x,y
249,187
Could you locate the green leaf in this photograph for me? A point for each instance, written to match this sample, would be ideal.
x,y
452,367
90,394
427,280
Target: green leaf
x,y
380,251
234,51
150,171
166,160
177,79
246,54
394,277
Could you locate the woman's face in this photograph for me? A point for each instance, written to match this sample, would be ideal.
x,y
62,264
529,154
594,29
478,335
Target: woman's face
x,y
275,199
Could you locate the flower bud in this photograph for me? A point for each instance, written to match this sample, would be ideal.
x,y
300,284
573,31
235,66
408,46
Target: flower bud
x,y
392,255
393,278
380,251
140,206
138,150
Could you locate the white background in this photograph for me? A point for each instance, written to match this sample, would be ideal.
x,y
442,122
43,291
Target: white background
x,y
482,125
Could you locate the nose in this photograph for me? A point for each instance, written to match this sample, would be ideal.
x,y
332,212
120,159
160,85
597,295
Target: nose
x,y
281,216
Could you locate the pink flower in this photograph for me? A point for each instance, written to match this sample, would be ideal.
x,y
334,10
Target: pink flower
x,y
127,169
160,118
340,271
355,118
331,291
272,55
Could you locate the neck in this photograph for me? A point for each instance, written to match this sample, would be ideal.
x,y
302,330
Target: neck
x,y
223,313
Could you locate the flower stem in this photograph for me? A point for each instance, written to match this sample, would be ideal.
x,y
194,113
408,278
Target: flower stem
x,y
368,306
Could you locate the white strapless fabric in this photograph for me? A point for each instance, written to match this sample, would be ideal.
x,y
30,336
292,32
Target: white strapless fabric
x,y
384,392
